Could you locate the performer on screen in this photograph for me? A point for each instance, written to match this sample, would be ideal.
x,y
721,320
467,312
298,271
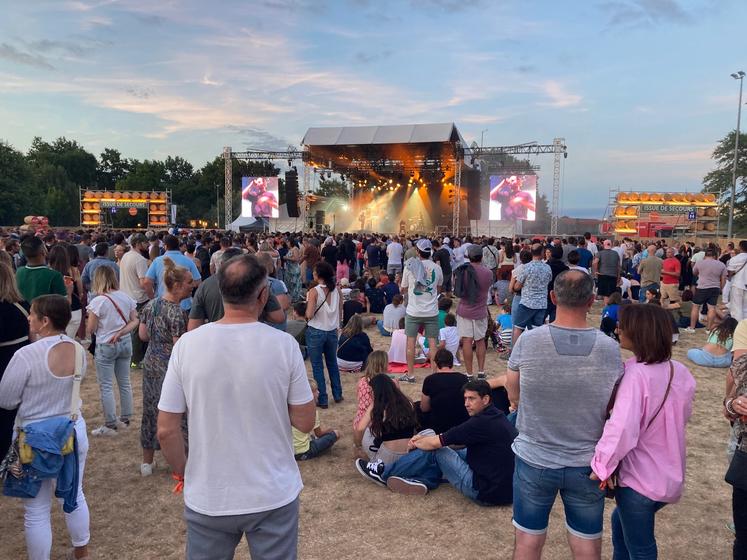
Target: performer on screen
x,y
263,201
514,202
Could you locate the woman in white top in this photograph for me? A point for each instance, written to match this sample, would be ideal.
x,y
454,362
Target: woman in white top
x,y
39,381
112,317
323,313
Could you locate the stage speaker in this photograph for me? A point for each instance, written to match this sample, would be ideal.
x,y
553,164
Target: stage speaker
x,y
319,219
471,184
291,193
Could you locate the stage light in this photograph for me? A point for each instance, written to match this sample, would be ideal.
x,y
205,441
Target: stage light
x,y
345,207
398,185
390,181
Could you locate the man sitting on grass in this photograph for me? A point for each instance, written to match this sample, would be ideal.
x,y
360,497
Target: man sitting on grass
x,y
482,471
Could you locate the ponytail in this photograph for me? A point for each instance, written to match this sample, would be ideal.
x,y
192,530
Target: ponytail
x,y
173,274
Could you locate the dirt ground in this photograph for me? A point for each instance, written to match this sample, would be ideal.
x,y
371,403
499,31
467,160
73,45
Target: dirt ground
x,y
344,516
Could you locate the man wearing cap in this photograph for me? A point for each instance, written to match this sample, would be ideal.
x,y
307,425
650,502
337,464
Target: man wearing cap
x,y
472,311
423,280
132,270
606,266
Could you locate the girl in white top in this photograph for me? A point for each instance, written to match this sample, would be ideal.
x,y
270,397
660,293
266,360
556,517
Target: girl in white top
x,y
112,317
39,381
323,313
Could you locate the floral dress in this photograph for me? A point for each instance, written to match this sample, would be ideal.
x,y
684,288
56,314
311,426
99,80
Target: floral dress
x,y
164,321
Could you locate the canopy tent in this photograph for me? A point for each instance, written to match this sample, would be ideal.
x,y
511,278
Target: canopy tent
x,y
392,134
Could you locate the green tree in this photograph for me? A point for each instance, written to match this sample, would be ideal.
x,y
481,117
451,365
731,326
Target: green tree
x,y
143,176
111,169
719,180
20,196
543,217
333,188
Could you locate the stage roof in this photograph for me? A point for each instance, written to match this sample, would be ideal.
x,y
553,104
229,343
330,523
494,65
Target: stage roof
x,y
376,135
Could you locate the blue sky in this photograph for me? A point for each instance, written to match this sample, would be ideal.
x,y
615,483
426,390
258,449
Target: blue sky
x,y
640,89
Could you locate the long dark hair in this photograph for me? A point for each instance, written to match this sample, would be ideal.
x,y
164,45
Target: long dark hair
x,y
325,274
649,329
392,410
508,250
59,260
725,329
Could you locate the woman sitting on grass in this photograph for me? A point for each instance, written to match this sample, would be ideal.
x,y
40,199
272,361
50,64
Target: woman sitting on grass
x,y
717,350
354,346
388,423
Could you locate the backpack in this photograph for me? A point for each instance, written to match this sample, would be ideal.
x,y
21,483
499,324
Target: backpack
x,y
465,283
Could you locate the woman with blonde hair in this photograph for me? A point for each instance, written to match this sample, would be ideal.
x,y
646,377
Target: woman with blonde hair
x,y
162,322
14,334
354,346
112,317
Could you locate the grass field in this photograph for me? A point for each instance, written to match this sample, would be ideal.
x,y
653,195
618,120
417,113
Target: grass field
x,y
344,516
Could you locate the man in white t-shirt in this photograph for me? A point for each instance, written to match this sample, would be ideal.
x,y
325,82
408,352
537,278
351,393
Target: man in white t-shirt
x,y
244,384
394,252
423,280
132,275
225,243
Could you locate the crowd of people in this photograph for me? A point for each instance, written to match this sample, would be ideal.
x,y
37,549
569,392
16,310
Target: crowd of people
x,y
183,307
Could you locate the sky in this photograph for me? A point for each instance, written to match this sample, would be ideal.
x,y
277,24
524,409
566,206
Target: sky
x,y
640,89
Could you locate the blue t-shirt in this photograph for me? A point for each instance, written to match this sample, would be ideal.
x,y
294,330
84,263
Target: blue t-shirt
x,y
155,273
611,311
374,255
505,321
390,290
277,288
585,257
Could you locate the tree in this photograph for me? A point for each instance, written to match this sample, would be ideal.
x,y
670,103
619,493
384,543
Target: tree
x,y
333,188
719,180
111,169
143,176
20,196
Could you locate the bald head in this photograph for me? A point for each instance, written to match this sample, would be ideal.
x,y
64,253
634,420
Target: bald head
x,y
241,279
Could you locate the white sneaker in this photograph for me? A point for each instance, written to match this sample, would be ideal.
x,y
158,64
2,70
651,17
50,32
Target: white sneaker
x,y
104,431
146,469
689,330
124,424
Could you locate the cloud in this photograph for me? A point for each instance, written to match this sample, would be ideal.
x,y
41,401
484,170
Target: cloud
x,y
77,48
259,138
681,155
368,58
637,13
451,6
559,96
9,52
206,81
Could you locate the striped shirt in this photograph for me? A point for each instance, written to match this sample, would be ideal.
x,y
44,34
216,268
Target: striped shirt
x,y
29,384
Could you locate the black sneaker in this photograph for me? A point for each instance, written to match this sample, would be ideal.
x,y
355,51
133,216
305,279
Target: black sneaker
x,y
371,470
406,486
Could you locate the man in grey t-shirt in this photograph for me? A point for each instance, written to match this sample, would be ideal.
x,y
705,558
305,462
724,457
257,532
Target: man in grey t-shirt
x,y
606,267
561,378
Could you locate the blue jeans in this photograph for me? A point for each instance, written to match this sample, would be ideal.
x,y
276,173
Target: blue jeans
x,y
429,467
317,446
322,347
527,318
535,490
113,361
382,330
633,525
703,358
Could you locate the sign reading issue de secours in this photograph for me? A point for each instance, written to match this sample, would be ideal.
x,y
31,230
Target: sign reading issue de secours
x,y
666,209
122,204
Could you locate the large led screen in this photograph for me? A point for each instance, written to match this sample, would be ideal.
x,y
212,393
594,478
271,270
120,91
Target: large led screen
x,y
259,197
513,197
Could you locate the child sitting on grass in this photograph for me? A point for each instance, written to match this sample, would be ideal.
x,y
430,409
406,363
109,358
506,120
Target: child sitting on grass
x,y
308,446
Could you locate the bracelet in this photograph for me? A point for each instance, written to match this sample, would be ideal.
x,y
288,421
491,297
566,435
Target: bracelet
x,y
729,408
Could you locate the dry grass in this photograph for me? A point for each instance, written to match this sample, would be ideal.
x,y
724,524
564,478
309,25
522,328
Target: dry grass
x,y
344,516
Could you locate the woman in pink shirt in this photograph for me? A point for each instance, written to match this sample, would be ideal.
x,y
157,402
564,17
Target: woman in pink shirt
x,y
643,444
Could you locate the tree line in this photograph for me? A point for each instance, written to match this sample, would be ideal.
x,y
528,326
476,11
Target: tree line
x,y
46,180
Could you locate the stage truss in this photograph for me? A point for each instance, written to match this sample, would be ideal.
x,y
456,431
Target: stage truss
x,y
461,156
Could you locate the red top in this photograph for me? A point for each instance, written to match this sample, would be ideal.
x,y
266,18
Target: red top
x,y
670,264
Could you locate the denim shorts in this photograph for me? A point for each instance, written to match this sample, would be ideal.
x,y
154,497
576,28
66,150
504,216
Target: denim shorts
x,y
526,318
535,489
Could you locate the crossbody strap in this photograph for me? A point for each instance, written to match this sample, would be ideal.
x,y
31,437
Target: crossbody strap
x,y
77,377
666,394
116,307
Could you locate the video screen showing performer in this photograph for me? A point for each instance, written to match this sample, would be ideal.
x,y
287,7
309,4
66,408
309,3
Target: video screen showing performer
x,y
259,197
513,197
